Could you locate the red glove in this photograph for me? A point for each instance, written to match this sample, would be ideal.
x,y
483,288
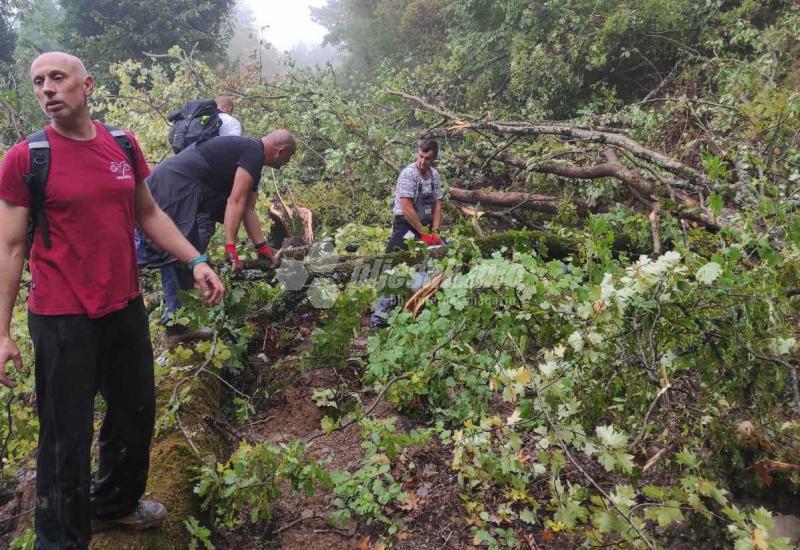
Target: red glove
x,y
265,255
431,239
232,257
263,249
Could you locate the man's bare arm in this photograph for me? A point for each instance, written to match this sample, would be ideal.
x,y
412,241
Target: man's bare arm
x,y
237,204
251,222
13,243
437,215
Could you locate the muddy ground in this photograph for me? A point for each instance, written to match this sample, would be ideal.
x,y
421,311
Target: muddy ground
x,y
434,521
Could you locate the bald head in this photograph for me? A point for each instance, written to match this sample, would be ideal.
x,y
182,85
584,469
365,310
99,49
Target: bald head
x,y
62,59
224,104
62,88
279,146
282,138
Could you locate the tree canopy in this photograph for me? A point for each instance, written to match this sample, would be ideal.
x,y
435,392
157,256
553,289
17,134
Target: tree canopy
x,y
104,31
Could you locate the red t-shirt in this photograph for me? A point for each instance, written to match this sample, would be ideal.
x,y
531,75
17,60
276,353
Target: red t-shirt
x,y
91,266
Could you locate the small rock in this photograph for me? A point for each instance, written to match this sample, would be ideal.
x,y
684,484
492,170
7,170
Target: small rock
x,y
424,490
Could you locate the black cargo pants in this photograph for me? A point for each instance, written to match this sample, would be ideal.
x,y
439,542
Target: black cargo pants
x,y
75,357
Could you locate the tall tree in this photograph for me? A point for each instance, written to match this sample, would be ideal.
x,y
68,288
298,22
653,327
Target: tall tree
x,y
377,30
106,31
40,29
8,37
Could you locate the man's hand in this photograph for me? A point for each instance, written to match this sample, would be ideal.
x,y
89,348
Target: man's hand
x,y
232,256
209,284
9,352
431,239
265,256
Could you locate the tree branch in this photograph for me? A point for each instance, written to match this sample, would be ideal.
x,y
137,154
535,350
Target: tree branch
x,y
463,122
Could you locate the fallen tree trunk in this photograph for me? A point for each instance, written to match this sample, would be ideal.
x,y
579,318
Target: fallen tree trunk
x,y
645,191
345,269
527,201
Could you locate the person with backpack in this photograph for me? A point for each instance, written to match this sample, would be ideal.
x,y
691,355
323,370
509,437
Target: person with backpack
x,y
195,122
86,316
417,213
211,182
200,120
230,126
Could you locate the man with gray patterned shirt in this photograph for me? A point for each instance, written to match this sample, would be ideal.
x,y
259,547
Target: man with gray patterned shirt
x,y
417,213
418,200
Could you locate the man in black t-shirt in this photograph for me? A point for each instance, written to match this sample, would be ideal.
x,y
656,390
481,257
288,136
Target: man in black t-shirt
x,y
212,182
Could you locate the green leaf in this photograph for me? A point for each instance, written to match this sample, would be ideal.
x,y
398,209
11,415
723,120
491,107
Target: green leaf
x,y
715,203
763,519
339,476
687,458
654,492
708,273
528,516
604,522
624,496
794,232
769,254
665,515
611,438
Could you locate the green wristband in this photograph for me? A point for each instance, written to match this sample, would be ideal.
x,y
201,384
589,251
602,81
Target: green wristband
x,y
202,258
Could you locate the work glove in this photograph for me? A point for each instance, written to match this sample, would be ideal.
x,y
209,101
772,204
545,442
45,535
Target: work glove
x,y
431,239
232,257
265,256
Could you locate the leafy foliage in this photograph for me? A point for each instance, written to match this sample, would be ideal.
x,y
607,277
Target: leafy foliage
x,y
605,398
374,486
108,32
251,480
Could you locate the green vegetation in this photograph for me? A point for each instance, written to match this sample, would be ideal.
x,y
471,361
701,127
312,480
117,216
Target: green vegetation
x,y
609,360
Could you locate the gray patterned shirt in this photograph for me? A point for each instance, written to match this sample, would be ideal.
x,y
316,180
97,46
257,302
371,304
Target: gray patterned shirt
x,y
410,182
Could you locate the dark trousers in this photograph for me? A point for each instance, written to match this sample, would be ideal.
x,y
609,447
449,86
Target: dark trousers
x,y
174,278
397,240
75,357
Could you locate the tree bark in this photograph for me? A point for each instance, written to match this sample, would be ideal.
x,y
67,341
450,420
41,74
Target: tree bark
x,y
528,201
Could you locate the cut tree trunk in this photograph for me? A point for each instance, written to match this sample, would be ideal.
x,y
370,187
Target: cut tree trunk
x,y
292,231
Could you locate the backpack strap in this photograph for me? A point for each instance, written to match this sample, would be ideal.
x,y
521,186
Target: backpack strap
x,y
36,180
125,144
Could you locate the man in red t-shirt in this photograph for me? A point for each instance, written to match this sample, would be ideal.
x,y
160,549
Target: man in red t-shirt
x,y
86,315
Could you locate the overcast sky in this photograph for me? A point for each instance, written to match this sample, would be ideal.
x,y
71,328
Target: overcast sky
x,y
289,21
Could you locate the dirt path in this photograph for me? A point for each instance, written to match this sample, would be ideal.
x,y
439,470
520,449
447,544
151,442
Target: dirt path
x,y
434,517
